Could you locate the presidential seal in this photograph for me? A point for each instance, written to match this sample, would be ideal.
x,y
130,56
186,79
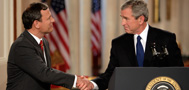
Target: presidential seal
x,y
163,83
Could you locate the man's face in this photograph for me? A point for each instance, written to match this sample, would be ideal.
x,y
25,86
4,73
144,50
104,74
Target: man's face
x,y
130,24
46,24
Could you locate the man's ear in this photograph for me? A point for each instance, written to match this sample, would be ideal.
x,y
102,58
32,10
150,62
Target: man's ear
x,y
141,19
36,24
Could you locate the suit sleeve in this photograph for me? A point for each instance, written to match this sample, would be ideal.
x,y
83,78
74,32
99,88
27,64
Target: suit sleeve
x,y
29,60
175,58
103,80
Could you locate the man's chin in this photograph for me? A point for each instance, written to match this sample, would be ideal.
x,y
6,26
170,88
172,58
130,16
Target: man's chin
x,y
48,32
127,31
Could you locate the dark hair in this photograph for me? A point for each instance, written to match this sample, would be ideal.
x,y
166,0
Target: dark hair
x,y
32,13
139,8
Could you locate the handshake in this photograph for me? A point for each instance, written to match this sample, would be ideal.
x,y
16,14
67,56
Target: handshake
x,y
83,83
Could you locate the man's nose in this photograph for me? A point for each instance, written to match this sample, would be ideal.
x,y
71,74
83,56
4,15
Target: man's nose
x,y
52,20
123,22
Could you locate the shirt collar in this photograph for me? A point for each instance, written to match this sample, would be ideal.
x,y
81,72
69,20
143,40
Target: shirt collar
x,y
36,38
144,33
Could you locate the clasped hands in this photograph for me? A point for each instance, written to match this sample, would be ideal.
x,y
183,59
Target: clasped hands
x,y
83,83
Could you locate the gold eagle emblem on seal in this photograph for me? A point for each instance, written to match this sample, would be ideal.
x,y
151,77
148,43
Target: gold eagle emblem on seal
x,y
163,83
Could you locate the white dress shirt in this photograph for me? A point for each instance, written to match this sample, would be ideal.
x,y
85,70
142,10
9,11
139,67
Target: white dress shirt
x,y
143,39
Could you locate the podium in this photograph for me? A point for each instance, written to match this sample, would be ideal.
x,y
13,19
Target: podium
x,y
149,78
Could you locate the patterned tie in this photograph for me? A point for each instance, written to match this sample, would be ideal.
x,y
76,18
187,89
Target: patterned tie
x,y
41,44
140,52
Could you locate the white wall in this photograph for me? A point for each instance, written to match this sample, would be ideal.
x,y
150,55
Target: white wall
x,y
6,38
84,34
183,25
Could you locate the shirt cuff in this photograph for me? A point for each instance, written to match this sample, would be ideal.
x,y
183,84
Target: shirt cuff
x,y
75,80
95,85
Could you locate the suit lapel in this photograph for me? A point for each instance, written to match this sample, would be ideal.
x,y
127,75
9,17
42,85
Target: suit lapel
x,y
150,40
47,52
130,49
34,42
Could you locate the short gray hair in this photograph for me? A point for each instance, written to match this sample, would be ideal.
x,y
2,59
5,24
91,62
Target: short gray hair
x,y
139,8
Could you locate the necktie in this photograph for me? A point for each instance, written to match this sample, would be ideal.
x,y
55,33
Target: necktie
x,y
140,52
41,44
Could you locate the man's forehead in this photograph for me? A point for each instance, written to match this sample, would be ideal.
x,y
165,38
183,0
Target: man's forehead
x,y
126,11
45,12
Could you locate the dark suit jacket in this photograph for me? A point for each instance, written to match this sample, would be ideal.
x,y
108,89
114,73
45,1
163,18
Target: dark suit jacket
x,y
27,69
123,53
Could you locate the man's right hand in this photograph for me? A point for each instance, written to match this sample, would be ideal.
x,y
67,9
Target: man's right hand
x,y
84,84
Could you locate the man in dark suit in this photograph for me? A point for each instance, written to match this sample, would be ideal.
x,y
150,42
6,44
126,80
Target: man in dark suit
x,y
29,64
134,49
